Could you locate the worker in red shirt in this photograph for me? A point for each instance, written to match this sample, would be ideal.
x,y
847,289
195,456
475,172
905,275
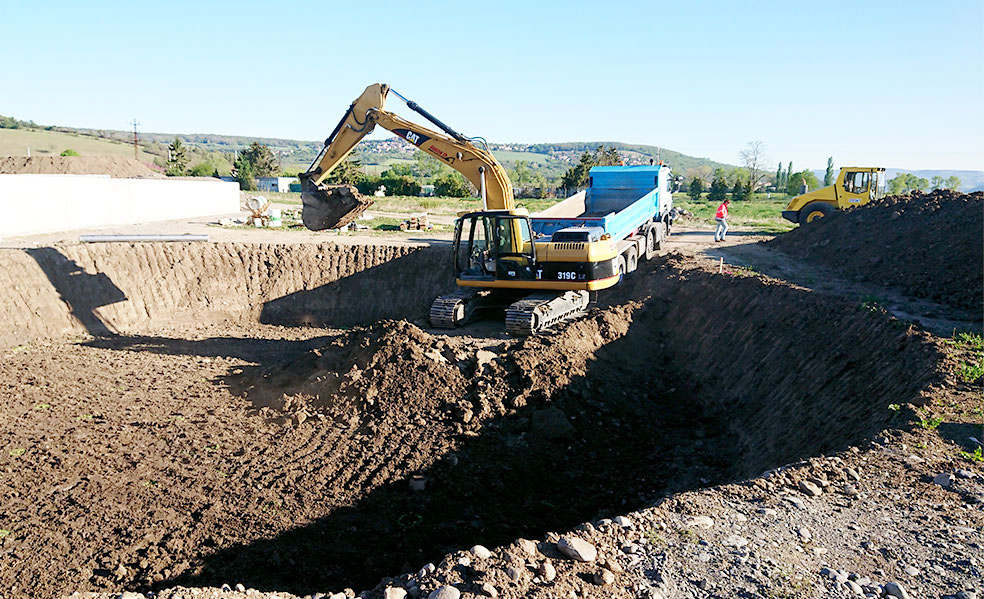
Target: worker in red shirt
x,y
721,216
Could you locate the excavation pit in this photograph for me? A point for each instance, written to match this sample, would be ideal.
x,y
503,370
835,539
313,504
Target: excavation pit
x,y
308,460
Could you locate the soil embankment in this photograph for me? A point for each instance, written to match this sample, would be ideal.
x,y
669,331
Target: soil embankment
x,y
114,166
102,289
927,245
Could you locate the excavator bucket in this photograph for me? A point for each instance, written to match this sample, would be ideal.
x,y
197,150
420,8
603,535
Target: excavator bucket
x,y
330,206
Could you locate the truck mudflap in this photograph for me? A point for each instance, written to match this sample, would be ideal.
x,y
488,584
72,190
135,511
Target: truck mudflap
x,y
791,215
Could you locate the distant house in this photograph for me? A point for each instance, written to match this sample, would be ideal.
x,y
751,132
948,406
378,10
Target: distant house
x,y
280,184
426,190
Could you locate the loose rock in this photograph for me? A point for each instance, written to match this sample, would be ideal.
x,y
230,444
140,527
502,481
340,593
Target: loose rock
x,y
577,549
445,592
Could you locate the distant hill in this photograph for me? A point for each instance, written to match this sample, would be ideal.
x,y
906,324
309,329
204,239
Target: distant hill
x,y
550,159
970,181
19,142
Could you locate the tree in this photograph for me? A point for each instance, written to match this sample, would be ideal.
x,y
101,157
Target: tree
x,y
202,169
789,173
953,182
345,172
452,185
243,172
719,187
261,159
69,152
576,177
177,159
795,184
696,188
828,177
907,183
399,185
779,177
753,159
741,191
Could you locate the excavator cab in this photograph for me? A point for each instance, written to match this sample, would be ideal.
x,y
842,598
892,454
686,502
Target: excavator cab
x,y
494,246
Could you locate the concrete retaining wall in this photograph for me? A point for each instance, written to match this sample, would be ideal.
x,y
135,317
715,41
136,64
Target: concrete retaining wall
x,y
31,204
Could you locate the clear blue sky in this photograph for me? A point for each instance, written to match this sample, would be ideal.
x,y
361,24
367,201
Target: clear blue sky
x,y
897,84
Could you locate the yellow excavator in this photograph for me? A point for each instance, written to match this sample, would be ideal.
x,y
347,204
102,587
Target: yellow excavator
x,y
500,260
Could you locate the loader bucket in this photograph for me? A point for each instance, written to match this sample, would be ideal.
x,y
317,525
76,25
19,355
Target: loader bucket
x,y
330,206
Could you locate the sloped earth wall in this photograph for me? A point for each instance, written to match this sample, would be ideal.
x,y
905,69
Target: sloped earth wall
x,y
102,289
386,446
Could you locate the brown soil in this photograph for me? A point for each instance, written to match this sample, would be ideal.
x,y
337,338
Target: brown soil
x,y
114,166
927,245
154,455
101,289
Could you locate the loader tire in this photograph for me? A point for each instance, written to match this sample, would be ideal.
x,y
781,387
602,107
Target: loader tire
x,y
814,211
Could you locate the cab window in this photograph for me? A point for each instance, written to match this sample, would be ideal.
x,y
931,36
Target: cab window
x,y
857,182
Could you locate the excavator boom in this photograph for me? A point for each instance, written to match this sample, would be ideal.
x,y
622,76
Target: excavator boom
x,y
327,206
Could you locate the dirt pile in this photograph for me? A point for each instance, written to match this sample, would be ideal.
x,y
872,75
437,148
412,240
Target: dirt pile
x,y
926,244
114,166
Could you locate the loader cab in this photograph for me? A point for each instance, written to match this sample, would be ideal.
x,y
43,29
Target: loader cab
x,y
858,186
494,246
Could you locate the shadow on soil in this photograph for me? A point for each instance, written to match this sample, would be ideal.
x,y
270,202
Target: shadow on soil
x,y
715,381
402,288
82,292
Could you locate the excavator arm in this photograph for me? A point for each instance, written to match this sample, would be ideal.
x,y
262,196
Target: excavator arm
x,y
329,207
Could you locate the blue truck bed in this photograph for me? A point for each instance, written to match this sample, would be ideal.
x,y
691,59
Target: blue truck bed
x,y
619,200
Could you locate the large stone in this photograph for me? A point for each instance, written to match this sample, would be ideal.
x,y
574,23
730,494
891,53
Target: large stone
x,y
944,479
481,552
445,592
894,589
701,522
604,577
488,590
810,489
394,593
577,549
547,571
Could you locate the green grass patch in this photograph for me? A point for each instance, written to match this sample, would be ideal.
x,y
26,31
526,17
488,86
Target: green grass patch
x,y
759,214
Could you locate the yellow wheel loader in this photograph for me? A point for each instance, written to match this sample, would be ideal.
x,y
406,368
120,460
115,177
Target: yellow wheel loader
x,y
855,186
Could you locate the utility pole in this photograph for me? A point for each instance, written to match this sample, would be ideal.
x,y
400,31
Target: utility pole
x,y
136,154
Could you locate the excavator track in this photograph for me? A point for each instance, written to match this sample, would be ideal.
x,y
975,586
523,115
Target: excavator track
x,y
456,309
537,312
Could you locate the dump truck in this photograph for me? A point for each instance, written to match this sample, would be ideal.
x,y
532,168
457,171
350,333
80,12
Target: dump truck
x,y
628,205
540,277
855,186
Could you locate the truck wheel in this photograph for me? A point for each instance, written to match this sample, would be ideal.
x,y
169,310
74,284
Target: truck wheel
x,y
621,268
661,231
815,210
651,245
631,260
